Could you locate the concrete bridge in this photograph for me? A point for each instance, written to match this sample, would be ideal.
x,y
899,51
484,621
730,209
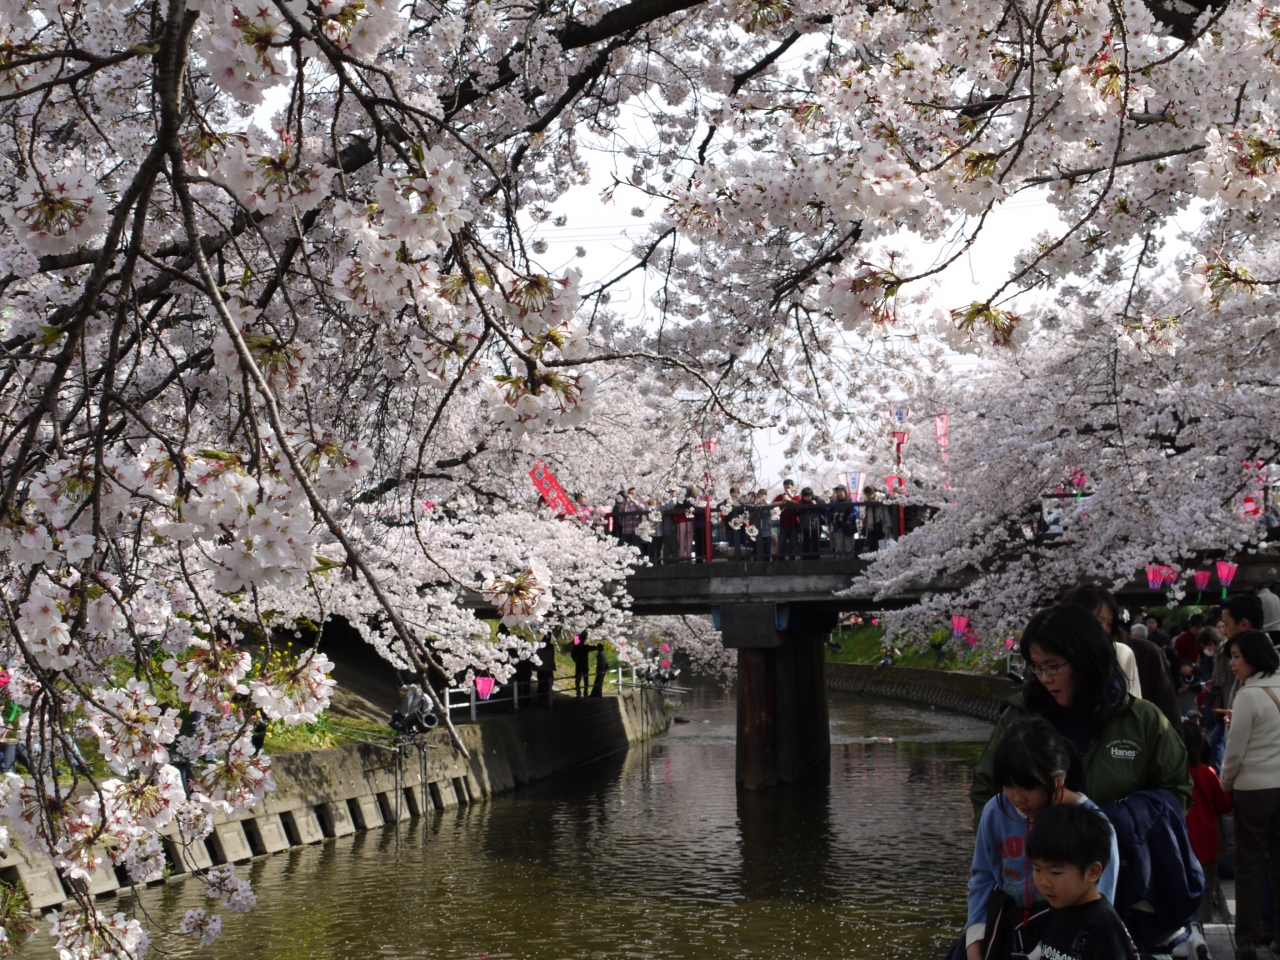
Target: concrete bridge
x,y
779,617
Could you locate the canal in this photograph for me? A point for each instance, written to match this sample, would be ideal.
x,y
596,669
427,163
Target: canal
x,y
651,854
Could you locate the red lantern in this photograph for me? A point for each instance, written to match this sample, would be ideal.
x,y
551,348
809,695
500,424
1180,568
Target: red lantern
x,y
1169,576
1079,479
484,687
1202,579
1226,572
1008,643
958,625
1155,576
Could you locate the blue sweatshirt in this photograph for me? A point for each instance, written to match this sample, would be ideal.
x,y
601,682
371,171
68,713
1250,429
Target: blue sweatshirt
x,y
1000,858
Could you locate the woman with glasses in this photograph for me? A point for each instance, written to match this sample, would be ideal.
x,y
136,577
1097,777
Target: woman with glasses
x,y
1135,767
1075,682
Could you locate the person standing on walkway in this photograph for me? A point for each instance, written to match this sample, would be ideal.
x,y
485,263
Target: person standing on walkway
x,y
1145,665
1270,610
1208,804
1185,644
810,510
1251,773
546,671
684,516
762,520
670,545
788,521
602,667
733,516
581,665
840,521
1128,748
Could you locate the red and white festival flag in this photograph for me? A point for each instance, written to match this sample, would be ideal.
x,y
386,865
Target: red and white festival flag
x,y
546,483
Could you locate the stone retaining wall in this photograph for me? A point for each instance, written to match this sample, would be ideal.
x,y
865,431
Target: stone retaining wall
x,y
333,793
967,693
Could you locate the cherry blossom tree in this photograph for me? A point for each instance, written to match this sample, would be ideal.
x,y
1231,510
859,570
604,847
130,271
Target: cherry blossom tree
x,y
1149,445
272,292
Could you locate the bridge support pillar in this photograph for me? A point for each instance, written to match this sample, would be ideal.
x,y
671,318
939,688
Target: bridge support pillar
x,y
783,730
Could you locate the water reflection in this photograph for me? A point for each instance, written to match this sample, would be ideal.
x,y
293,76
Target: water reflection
x,y
651,854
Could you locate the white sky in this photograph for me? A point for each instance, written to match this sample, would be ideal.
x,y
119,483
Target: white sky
x,y
607,233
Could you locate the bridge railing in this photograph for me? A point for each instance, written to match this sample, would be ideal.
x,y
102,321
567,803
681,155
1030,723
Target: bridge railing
x,y
464,703
705,533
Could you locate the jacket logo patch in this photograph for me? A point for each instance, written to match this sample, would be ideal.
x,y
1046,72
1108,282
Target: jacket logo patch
x,y
1124,749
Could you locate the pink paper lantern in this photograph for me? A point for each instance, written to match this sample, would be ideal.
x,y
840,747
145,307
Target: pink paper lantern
x,y
1155,576
576,639
1079,479
958,625
1226,572
875,622
484,687
666,664
1202,579
1168,575
666,648
1008,643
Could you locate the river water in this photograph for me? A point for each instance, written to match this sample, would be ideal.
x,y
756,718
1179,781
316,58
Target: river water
x,y
650,854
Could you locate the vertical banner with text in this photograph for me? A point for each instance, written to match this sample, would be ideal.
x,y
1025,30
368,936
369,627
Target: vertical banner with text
x,y
546,483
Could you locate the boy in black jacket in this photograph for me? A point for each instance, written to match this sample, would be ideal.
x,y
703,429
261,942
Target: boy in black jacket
x,y
1068,847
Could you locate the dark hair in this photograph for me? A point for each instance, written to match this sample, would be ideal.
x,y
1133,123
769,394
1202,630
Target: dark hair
x,y
1209,635
1031,753
807,492
1091,597
1245,606
1185,663
1197,749
788,482
1072,633
1070,833
1256,650
1197,620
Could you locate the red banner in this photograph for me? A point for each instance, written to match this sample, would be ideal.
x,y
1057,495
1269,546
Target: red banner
x,y
546,483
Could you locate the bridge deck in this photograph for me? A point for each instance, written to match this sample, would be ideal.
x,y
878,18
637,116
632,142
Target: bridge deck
x,y
695,587
692,588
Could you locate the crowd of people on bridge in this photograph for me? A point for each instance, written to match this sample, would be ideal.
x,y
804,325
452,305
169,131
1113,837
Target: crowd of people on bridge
x,y
752,524
1099,799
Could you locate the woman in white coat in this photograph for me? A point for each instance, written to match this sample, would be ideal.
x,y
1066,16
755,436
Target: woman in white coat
x,y
1251,772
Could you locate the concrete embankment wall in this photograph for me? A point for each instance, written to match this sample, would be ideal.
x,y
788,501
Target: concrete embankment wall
x,y
967,693
334,793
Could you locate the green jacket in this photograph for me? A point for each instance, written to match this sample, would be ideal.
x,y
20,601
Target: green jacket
x,y
1137,750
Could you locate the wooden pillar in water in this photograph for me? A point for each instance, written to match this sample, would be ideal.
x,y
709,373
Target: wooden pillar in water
x,y
783,729
757,744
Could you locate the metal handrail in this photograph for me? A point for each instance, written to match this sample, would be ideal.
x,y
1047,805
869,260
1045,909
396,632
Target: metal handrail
x,y
465,698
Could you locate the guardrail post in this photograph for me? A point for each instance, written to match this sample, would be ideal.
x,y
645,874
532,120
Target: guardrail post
x,y
473,703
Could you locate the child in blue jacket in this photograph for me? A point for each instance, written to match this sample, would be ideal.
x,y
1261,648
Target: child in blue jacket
x,y
1033,765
